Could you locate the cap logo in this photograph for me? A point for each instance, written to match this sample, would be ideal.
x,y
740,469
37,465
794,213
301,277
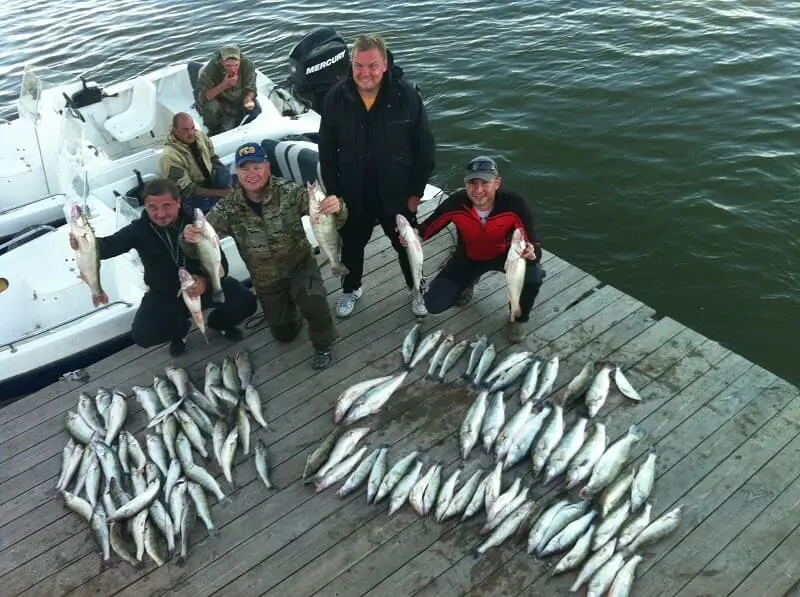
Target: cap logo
x,y
247,150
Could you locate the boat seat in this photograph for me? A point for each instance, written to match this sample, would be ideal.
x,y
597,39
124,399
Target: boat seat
x,y
139,118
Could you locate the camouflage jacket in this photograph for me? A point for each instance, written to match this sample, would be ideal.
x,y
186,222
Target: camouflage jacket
x,y
213,74
178,164
273,245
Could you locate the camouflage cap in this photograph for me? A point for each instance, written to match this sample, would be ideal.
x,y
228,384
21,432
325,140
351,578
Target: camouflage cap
x,y
229,52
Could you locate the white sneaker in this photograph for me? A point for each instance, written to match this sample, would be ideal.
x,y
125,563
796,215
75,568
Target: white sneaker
x,y
347,303
418,304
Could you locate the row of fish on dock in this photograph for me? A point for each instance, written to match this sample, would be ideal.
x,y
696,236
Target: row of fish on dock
x,y
146,500
597,532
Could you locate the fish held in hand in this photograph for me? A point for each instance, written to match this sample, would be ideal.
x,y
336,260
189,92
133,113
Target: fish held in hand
x,y
87,254
515,272
413,248
210,254
325,230
194,304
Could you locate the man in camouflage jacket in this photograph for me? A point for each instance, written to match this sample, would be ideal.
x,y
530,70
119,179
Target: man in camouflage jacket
x,y
226,91
263,216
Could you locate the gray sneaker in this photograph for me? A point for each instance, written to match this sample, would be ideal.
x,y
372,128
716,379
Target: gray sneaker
x,y
347,303
517,331
418,304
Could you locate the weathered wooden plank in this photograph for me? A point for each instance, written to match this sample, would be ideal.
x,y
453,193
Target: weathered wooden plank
x,y
768,500
778,575
25,502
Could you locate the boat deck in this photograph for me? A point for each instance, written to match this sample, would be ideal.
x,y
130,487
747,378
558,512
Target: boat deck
x,y
727,433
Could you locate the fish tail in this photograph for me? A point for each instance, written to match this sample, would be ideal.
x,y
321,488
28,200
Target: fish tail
x,y
100,298
218,296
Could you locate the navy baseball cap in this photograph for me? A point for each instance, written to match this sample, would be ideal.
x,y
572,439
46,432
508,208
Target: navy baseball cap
x,y
250,152
481,167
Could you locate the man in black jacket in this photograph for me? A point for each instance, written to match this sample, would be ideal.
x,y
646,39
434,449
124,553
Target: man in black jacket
x,y
162,315
376,153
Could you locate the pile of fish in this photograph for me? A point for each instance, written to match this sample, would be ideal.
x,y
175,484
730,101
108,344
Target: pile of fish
x,y
598,531
146,500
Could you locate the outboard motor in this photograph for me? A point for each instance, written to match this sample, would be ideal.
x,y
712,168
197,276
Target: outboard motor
x,y
86,96
317,62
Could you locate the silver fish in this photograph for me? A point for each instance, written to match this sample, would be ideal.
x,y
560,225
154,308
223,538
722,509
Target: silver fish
x,y
567,537
514,267
611,462
99,527
244,368
612,494
192,432
377,473
218,436
493,485
227,454
230,376
148,399
152,545
522,442
135,453
155,448
193,303
229,399
635,525
320,455
462,497
438,357
610,525
344,447
102,400
179,378
352,393
530,381
546,518
597,393
550,437
243,423
188,518
137,525
209,252
80,478
137,481
198,496
579,384
510,431
593,564
417,492
623,581
658,529
213,377
506,510
643,482
451,358
471,427
564,516
78,505
183,450
475,355
162,519
78,428
173,474
445,497
169,431
137,504
209,406
413,248
426,345
374,399
338,471
262,463
577,554
120,546
88,411
548,380
507,528
178,500
410,343
392,478
502,500
164,413
509,362
493,421
478,499
509,376
253,402
400,491
122,450
66,456
92,483
624,386
566,450
432,491
108,460
581,466
201,476
603,578
484,364
360,474
198,415
87,256
325,229
166,391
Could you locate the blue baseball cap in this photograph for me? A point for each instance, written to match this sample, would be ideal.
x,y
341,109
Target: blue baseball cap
x,y
250,152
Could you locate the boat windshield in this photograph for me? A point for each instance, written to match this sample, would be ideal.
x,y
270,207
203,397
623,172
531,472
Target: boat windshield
x,y
30,94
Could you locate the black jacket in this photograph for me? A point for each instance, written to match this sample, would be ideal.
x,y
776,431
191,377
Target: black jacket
x,y
151,242
390,146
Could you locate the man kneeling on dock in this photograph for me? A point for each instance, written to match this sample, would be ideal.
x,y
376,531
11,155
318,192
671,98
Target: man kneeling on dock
x,y
162,315
485,217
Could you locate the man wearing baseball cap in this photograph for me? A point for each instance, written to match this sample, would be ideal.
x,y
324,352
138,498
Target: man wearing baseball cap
x,y
225,92
485,216
263,215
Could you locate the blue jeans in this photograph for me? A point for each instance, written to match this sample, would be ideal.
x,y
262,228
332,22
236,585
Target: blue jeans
x,y
220,179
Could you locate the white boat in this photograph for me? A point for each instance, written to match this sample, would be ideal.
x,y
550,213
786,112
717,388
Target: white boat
x,y
53,319
63,131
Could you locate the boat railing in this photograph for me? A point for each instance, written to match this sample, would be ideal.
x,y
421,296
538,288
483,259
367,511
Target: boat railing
x,y
29,203
23,237
13,344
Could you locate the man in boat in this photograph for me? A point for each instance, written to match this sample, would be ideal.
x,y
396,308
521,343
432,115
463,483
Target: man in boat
x,y
376,151
190,162
162,315
263,215
225,92
485,216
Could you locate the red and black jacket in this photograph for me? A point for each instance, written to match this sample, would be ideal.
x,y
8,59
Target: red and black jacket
x,y
484,242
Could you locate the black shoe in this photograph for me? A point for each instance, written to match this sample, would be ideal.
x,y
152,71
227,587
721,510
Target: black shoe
x,y
177,348
321,359
465,297
232,333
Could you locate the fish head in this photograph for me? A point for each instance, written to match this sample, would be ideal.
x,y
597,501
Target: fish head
x,y
403,227
76,213
198,219
185,278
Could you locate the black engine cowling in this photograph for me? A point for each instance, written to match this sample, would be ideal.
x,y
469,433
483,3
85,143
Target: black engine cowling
x,y
316,63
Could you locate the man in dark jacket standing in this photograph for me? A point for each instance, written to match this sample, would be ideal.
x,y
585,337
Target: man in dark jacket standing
x,y
376,153
162,315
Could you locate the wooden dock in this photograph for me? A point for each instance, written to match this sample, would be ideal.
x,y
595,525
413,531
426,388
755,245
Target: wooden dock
x,y
727,434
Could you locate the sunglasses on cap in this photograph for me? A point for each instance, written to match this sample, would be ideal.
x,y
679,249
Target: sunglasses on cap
x,y
482,166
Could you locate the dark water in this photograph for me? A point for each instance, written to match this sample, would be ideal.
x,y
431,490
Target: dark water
x,y
657,141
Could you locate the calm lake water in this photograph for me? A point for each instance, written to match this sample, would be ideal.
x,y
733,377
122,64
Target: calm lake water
x,y
657,141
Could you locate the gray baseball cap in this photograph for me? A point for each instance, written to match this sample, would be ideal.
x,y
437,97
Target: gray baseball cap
x,y
482,167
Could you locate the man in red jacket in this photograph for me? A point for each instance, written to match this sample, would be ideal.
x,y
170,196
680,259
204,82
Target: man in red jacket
x,y
485,216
